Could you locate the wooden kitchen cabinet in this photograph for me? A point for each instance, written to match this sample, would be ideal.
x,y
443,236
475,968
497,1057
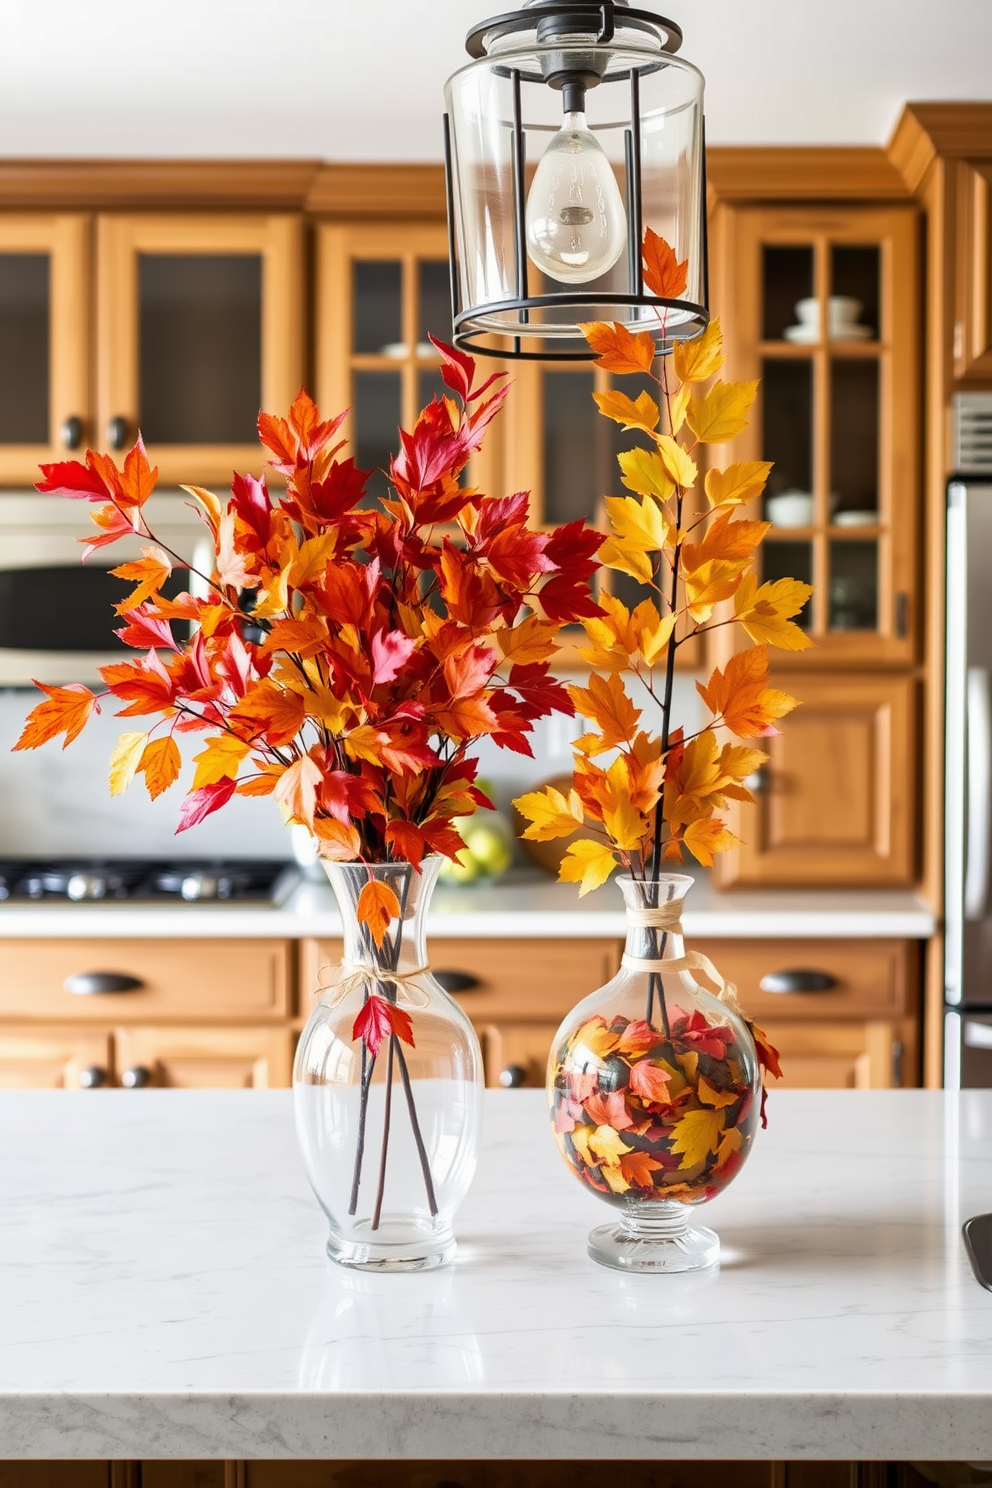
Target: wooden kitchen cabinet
x,y
835,802
515,1055
198,1058
972,350
45,372
39,1057
875,1055
199,324
837,411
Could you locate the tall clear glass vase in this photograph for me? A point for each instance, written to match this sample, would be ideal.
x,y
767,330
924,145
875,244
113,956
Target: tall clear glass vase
x,y
654,1085
388,1086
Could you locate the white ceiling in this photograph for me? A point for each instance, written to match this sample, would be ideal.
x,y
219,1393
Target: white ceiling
x,y
362,79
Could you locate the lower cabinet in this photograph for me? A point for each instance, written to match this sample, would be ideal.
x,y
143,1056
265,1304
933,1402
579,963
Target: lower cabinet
x,y
55,1058
191,1058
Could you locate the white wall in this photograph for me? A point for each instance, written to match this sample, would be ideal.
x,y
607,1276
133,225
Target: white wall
x,y
354,81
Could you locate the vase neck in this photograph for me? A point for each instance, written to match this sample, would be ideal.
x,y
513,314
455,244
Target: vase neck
x,y
403,948
654,910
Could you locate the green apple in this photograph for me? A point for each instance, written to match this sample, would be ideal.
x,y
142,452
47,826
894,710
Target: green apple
x,y
488,847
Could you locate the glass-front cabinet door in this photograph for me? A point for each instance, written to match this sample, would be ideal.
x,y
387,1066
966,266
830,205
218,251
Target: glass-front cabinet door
x,y
45,405
199,325
822,306
381,293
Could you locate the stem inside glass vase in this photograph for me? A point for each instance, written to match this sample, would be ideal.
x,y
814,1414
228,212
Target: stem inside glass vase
x,y
653,943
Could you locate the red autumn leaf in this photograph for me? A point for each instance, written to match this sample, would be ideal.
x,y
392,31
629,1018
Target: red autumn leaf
x,y
408,840
379,1018
65,710
143,630
768,1055
608,1110
637,1038
650,1082
390,650
663,274
77,481
201,803
707,1038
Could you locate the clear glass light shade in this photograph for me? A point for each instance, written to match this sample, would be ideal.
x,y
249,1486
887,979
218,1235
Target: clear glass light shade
x,y
548,209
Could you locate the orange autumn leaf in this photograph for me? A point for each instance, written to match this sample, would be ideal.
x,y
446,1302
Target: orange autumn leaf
x,y
65,710
617,349
766,612
148,573
160,763
725,540
297,789
637,1168
271,710
663,274
768,1055
705,838
606,703
377,905
637,1038
721,414
338,841
741,697
633,413
650,1081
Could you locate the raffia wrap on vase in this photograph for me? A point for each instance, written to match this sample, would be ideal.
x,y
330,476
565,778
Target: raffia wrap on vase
x,y
355,976
668,918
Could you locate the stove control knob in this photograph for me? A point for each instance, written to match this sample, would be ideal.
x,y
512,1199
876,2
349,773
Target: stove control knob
x,y
92,1077
198,886
137,1077
513,1077
85,886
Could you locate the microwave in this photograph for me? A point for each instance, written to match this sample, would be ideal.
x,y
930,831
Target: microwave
x,y
57,615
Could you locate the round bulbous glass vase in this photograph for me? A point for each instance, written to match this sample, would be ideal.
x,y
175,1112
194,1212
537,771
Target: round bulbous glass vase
x,y
654,1088
388,1086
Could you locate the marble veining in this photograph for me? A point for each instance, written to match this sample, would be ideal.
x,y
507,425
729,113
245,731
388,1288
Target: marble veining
x,y
163,1292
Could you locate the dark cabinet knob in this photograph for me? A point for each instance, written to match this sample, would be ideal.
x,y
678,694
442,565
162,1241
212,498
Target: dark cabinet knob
x,y
797,981
457,981
137,1077
71,432
92,1077
117,433
89,983
513,1077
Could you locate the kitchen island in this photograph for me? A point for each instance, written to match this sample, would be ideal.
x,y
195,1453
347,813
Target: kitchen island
x,y
164,1294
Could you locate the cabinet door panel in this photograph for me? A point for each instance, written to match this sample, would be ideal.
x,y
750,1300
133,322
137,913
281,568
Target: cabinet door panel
x,y
154,979
204,1058
200,323
973,271
835,802
515,1055
54,1058
870,977
844,1056
44,341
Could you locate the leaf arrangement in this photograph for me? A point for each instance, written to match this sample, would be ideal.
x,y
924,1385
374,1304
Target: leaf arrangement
x,y
344,657
680,534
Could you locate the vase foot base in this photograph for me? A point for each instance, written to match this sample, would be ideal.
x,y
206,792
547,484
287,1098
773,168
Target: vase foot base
x,y
693,1250
397,1252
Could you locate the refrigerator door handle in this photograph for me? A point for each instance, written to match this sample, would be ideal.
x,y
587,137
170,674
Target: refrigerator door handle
x,y
979,770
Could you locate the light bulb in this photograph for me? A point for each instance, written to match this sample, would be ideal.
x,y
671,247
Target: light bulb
x,y
576,224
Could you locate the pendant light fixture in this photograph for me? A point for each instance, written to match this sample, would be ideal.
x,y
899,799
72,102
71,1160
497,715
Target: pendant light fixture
x,y
572,130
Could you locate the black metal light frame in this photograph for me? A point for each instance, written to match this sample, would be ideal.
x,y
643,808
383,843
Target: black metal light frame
x,y
570,13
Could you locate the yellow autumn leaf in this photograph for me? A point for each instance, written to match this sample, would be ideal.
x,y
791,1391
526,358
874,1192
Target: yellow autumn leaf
x,y
148,574
586,863
707,585
730,1143
697,1134
595,1039
312,559
219,759
633,413
625,827
640,525
679,466
125,760
211,504
710,1096
614,1178
550,813
633,561
533,640
740,482
721,413
698,359
766,612
608,1146
653,630
677,405
704,838
644,473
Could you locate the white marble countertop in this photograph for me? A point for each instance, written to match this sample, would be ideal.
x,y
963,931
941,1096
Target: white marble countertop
x,y
523,905
163,1293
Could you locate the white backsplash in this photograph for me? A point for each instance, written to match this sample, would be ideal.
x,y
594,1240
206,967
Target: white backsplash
x,y
57,802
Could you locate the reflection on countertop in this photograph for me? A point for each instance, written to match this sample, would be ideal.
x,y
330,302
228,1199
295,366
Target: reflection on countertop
x,y
524,904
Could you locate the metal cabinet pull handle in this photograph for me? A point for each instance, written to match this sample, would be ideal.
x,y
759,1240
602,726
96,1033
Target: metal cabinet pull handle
x,y
71,432
513,1077
117,433
458,981
93,1077
88,983
797,981
137,1077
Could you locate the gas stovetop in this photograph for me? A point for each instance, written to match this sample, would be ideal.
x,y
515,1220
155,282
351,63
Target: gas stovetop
x,y
189,881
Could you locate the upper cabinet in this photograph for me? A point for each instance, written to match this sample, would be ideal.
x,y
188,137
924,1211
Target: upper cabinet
x,y
199,325
181,325
45,383
822,304
973,272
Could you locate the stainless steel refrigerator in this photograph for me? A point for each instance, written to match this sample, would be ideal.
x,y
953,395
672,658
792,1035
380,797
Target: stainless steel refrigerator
x,y
968,771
